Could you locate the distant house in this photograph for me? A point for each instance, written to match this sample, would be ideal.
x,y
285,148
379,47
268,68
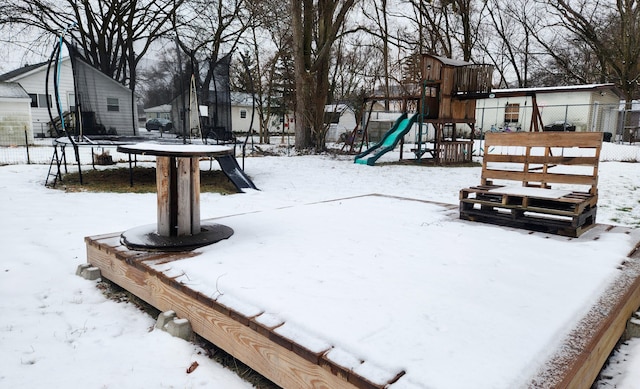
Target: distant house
x,y
160,111
106,103
341,119
15,115
592,107
242,107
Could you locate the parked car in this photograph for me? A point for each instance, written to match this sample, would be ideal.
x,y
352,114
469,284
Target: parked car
x,y
560,126
159,124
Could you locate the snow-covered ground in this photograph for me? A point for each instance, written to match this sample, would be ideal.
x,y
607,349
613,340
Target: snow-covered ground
x,y
58,330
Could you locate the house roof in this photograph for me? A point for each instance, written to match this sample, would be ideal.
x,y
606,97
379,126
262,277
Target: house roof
x,y
241,99
23,70
12,90
558,89
336,108
158,108
16,75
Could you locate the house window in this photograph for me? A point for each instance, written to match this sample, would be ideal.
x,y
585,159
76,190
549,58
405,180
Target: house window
x,y
71,98
331,117
512,113
243,114
44,101
40,100
112,104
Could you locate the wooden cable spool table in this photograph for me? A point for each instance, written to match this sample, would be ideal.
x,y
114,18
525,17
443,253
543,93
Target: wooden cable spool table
x,y
178,184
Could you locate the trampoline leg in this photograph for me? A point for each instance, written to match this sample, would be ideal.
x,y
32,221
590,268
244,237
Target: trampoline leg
x,y
130,172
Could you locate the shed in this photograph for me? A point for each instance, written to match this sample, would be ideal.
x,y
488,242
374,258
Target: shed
x,y
15,115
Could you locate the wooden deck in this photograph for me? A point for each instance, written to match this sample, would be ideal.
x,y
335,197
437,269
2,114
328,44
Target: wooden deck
x,y
290,365
279,359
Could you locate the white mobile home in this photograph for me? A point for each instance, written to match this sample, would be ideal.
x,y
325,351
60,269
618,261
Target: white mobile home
x,y
592,107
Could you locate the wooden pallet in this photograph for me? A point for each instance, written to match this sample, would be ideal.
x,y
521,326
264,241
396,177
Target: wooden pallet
x,y
526,164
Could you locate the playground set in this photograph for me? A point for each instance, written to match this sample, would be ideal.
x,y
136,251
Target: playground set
x,y
443,93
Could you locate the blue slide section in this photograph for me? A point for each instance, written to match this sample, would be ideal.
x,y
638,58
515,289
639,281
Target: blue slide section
x,y
230,167
389,141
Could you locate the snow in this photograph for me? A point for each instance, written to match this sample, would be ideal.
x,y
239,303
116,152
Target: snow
x,y
445,299
178,149
530,191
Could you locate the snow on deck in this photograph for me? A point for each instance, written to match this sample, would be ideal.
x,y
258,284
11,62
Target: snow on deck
x,y
476,306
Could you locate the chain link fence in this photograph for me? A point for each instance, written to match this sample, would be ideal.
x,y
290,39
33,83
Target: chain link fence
x,y
22,148
620,127
14,151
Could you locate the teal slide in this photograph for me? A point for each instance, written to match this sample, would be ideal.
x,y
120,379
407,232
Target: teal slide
x,y
389,141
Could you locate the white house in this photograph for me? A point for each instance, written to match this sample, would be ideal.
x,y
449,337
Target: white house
x,y
340,118
160,111
15,115
106,104
592,107
242,107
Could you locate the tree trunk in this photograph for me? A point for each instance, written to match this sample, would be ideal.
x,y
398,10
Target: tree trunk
x,y
302,78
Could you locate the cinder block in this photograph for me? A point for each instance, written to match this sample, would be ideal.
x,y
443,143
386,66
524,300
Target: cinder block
x,y
164,318
633,327
180,328
81,267
88,272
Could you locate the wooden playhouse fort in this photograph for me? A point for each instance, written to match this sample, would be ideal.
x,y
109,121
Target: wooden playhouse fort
x,y
448,92
443,92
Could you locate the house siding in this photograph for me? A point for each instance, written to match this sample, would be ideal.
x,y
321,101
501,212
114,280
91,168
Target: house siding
x,y
102,88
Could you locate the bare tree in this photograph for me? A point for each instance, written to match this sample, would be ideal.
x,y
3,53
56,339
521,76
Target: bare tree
x,y
207,30
610,29
315,26
509,43
270,44
113,35
449,27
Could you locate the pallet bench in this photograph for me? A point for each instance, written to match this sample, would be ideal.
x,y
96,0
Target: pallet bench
x,y
517,171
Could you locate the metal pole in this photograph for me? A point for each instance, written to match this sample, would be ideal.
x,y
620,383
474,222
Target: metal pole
x,y
26,143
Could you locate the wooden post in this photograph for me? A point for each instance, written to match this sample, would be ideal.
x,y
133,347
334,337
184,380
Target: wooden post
x,y
162,184
195,195
184,196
